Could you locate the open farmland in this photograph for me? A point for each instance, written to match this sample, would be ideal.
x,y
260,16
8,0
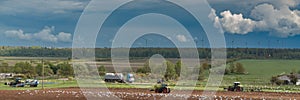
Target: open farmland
x,y
261,71
259,74
134,94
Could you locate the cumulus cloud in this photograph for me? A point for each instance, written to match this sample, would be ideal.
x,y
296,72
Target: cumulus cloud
x,y
278,18
281,22
181,38
236,23
45,34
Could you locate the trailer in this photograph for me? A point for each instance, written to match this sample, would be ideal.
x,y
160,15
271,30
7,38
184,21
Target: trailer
x,y
118,77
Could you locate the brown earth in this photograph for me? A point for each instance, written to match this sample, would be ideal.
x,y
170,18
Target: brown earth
x,y
133,94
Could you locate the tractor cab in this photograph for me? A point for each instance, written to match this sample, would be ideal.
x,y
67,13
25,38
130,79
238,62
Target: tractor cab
x,y
236,84
236,87
161,87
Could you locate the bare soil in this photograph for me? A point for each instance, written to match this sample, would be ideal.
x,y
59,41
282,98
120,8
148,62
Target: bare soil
x,y
134,94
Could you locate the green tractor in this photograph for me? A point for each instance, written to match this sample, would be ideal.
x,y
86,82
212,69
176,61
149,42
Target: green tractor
x,y
161,87
236,87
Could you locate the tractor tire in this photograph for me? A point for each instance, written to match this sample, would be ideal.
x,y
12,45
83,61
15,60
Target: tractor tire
x,y
230,88
238,89
156,90
165,90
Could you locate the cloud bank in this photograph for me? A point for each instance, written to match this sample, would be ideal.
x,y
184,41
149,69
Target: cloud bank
x,y
277,17
46,34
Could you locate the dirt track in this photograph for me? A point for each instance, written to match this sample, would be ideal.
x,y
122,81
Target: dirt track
x,y
132,94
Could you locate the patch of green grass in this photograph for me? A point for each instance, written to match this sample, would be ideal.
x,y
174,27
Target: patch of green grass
x,y
261,71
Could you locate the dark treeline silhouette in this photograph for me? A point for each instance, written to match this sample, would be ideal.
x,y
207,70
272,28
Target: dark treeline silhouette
x,y
242,53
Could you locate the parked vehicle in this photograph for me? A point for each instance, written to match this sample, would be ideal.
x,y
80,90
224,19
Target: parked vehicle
x,y
118,77
18,82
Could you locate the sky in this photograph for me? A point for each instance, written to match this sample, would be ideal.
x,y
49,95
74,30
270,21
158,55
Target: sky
x,y
246,23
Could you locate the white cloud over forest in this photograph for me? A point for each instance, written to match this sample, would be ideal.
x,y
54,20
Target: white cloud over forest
x,y
46,34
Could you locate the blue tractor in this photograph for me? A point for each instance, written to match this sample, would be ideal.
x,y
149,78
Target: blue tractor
x,y
20,83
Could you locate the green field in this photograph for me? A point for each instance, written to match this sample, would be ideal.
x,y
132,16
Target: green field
x,y
261,71
259,75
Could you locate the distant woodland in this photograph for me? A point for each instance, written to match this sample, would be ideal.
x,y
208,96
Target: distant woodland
x,y
241,53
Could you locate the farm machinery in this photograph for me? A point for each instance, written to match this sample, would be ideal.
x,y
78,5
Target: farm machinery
x,y
18,82
161,87
118,77
236,87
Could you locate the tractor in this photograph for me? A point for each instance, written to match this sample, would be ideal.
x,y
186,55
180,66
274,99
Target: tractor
x,y
161,87
17,83
236,87
20,83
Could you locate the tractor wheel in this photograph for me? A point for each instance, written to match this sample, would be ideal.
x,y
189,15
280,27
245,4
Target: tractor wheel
x,y
230,88
156,90
165,90
238,89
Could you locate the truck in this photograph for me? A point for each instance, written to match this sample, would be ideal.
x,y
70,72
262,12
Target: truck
x,y
118,77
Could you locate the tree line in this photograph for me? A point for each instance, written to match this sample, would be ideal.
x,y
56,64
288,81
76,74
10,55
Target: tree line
x,y
30,70
242,53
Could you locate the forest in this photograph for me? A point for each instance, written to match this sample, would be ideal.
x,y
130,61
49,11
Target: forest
x,y
240,53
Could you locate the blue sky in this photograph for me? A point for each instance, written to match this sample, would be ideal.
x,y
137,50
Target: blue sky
x,y
246,23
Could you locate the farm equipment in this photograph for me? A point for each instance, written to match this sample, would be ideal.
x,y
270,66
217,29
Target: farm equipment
x,y
236,87
161,87
118,77
32,83
20,83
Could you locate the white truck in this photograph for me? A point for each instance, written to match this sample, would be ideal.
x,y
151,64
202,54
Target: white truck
x,y
118,77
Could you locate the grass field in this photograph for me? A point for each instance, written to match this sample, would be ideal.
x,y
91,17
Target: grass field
x,y
261,71
259,74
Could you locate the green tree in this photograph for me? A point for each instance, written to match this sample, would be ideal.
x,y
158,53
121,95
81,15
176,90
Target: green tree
x,y
47,70
170,72
4,68
239,68
101,70
52,67
65,69
205,66
25,68
178,67
227,71
201,74
232,68
145,69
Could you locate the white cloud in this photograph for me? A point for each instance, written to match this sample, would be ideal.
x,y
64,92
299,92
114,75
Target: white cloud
x,y
18,33
45,34
64,37
181,38
236,23
275,17
281,22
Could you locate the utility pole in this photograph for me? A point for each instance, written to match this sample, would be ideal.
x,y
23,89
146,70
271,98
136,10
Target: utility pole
x,y
43,73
